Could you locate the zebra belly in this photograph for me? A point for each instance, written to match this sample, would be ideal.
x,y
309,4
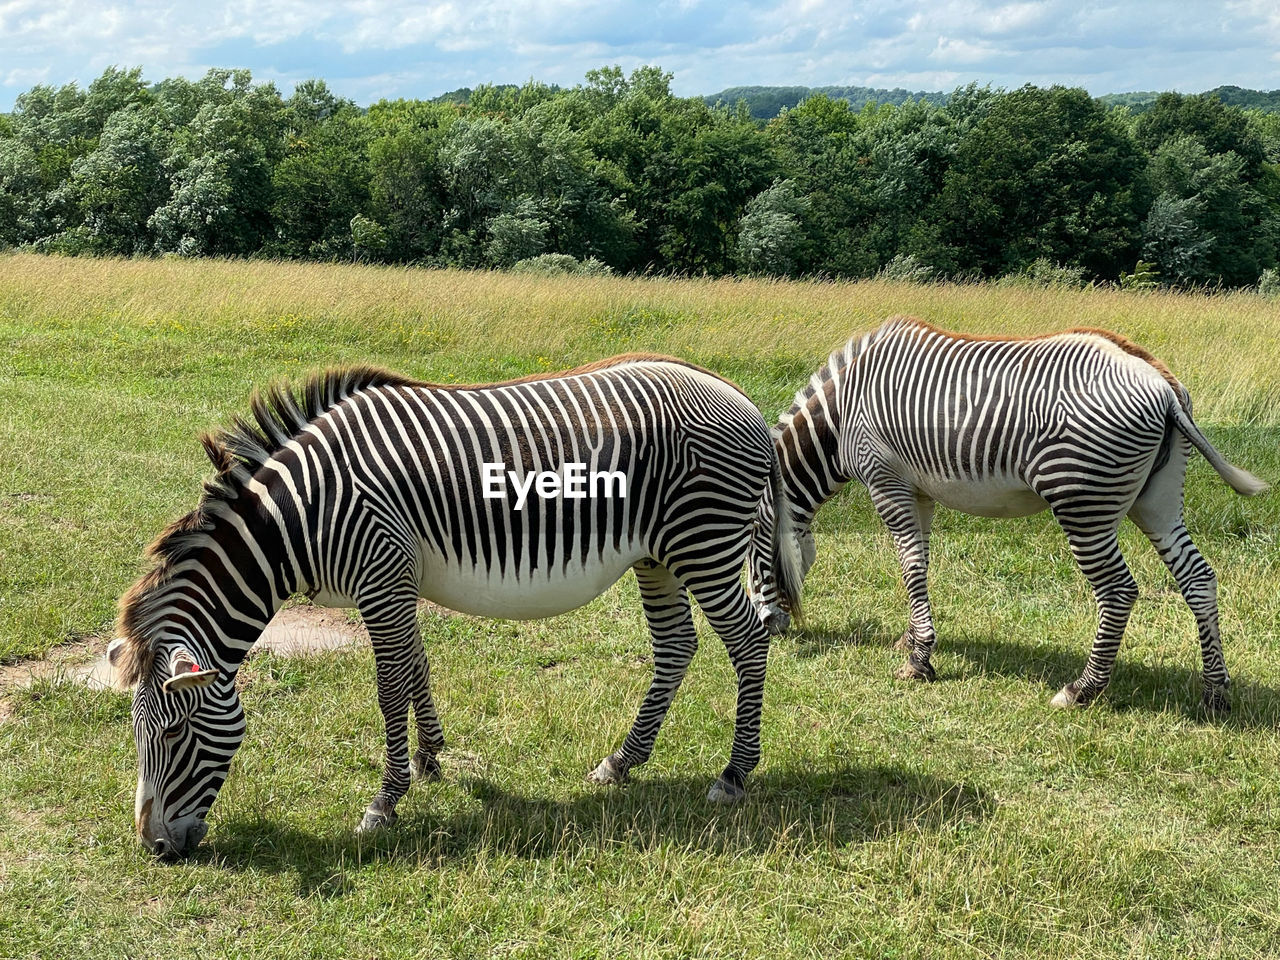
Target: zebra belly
x,y
989,497
483,594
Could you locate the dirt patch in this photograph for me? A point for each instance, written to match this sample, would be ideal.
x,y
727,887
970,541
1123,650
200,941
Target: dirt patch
x,y
81,661
293,632
302,629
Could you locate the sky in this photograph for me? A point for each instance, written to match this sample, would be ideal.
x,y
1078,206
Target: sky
x,y
367,50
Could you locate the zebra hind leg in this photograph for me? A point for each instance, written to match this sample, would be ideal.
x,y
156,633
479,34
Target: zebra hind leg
x,y
728,610
666,609
1093,543
397,647
1199,587
1158,513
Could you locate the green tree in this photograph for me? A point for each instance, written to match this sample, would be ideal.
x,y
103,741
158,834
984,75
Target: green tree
x,y
1173,241
517,234
1040,174
118,185
869,178
771,235
322,181
220,166
1219,129
683,170
406,185
1230,230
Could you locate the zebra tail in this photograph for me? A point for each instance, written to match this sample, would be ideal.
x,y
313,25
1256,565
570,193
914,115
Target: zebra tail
x,y
1241,481
786,552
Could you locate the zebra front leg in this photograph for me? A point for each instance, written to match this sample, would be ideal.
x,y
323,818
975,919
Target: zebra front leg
x,y
393,630
666,609
909,516
425,764
1097,552
728,610
1158,513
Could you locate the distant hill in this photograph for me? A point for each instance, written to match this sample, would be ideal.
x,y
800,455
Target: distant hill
x,y
766,103
1138,101
1265,100
461,95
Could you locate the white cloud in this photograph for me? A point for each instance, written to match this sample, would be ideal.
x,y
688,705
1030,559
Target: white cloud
x,y
961,52
25,77
368,48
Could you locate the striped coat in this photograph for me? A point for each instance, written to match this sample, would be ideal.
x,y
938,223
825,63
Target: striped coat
x,y
1083,423
372,490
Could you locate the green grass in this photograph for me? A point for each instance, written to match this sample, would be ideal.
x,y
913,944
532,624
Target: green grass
x,y
958,819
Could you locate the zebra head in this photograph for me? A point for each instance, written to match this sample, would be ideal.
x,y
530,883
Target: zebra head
x,y
778,559
187,723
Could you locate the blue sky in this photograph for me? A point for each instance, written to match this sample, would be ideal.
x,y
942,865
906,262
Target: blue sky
x,y
370,49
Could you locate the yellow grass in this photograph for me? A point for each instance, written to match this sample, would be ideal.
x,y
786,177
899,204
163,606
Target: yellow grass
x,y
1236,382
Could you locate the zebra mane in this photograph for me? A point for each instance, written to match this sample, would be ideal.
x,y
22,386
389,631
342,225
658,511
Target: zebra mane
x,y
278,416
840,360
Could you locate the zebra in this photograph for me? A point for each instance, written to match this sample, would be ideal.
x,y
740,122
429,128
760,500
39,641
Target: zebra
x,y
1082,422
365,489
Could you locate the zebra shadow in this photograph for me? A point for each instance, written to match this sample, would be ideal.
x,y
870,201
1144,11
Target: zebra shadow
x,y
801,810
810,642
1134,685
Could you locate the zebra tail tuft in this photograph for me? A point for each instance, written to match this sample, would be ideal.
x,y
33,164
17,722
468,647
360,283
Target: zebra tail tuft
x,y
1241,481
786,552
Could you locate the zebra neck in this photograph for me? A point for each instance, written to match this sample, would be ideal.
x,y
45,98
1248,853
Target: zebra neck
x,y
808,444
218,590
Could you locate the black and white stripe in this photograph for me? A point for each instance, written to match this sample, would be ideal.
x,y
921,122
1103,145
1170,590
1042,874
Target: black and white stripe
x,y
367,490
1083,423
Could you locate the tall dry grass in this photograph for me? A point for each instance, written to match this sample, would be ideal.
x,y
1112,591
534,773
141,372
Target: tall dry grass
x,y
1225,347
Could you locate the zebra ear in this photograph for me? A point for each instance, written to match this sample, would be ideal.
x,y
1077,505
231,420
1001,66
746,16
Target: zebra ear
x,y
115,660
186,674
113,651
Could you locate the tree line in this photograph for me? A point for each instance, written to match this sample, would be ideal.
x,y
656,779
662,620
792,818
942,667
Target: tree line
x,y
619,173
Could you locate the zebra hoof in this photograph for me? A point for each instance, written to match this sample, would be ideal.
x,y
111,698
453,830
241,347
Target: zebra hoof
x,y
776,621
425,766
378,819
725,792
916,671
1065,698
1217,701
1071,696
610,771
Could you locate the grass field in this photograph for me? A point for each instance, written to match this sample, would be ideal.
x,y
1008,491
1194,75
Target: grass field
x,y
958,819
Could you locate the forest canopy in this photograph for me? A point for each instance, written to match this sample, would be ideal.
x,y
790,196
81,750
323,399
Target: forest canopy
x,y
618,172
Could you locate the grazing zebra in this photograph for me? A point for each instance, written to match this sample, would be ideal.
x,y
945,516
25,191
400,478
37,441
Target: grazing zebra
x,y
372,490
1082,422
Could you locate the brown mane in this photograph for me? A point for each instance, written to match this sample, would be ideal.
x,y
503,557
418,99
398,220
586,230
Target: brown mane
x,y
591,367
